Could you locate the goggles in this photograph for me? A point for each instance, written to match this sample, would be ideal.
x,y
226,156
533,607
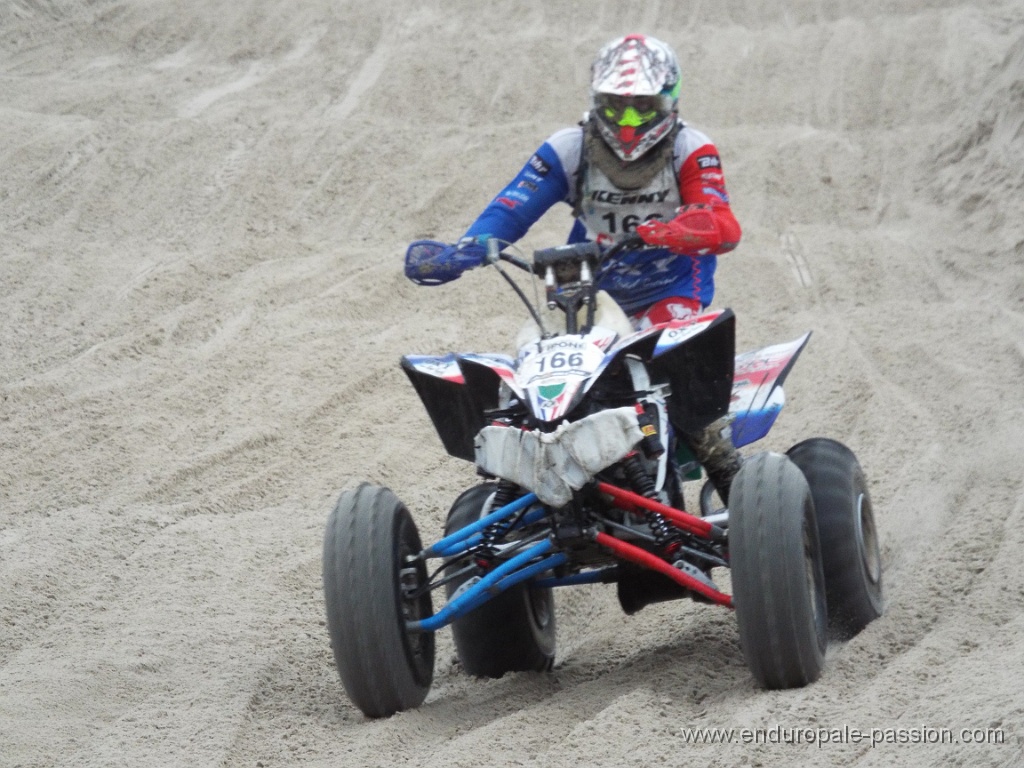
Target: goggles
x,y
632,111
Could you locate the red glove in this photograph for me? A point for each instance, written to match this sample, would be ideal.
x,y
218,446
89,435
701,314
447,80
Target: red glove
x,y
694,230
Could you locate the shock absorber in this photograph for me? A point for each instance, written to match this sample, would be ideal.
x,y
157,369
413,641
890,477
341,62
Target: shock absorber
x,y
638,476
506,493
642,482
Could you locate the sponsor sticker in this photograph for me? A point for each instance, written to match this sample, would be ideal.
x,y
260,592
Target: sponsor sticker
x,y
539,165
629,198
550,394
709,161
438,367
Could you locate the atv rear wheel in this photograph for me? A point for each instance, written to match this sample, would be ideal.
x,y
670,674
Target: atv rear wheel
x,y
512,632
846,527
367,581
777,577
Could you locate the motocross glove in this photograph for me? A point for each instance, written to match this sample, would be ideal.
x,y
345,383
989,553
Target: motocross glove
x,y
694,231
429,262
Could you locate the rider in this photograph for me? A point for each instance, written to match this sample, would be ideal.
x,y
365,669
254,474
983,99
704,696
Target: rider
x,y
632,165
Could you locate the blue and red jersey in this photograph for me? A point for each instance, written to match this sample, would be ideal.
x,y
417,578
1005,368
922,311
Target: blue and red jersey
x,y
605,213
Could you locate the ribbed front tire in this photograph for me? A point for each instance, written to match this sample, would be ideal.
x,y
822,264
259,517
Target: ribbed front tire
x,y
384,668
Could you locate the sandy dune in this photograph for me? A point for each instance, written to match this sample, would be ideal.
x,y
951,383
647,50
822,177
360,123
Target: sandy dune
x,y
203,208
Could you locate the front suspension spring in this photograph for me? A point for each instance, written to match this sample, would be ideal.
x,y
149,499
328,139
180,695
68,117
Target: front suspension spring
x,y
505,494
638,476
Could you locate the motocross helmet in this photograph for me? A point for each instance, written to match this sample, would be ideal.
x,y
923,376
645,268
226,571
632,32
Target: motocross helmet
x,y
634,89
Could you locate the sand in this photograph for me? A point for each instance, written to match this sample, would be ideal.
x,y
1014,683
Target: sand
x,y
203,209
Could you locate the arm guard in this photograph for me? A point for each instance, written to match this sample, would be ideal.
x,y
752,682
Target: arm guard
x,y
698,229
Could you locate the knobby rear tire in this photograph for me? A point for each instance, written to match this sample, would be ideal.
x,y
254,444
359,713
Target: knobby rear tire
x,y
384,668
777,576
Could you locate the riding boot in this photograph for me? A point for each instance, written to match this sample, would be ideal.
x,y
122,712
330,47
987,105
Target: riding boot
x,y
713,448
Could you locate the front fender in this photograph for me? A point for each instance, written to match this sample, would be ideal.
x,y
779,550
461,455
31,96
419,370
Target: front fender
x,y
456,390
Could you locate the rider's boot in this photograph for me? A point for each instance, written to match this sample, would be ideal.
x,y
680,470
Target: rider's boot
x,y
713,448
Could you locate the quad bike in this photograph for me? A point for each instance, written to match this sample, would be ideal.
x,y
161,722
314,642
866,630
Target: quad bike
x,y
579,441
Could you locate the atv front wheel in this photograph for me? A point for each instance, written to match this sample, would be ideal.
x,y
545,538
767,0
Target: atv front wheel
x,y
846,527
777,577
368,585
512,632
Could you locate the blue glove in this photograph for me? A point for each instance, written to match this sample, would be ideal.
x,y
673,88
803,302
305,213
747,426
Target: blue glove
x,y
429,262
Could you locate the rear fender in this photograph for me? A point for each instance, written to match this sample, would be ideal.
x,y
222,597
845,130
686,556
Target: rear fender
x,y
757,395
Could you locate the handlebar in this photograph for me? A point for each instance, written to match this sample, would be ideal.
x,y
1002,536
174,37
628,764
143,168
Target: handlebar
x,y
568,254
566,266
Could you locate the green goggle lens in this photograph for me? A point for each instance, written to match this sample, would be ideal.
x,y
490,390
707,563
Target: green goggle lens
x,y
631,111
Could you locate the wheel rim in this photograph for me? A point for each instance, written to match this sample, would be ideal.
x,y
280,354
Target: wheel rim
x,y
419,645
867,540
539,603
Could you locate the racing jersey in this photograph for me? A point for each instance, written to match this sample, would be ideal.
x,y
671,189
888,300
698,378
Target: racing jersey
x,y
558,172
